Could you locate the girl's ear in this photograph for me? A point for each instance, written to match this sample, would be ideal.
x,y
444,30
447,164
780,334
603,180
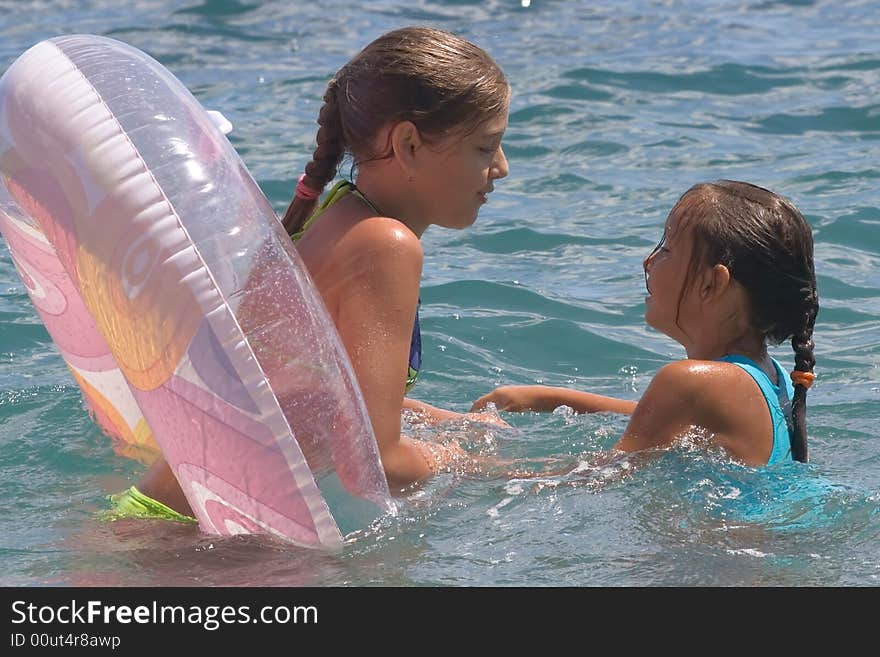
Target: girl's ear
x,y
715,282
405,141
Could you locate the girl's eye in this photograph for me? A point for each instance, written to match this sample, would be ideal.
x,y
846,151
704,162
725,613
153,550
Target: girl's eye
x,y
489,148
660,248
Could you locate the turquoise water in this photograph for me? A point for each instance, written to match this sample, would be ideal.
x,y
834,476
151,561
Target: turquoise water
x,y
618,108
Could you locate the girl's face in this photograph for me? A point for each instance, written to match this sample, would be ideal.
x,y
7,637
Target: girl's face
x,y
670,308
456,176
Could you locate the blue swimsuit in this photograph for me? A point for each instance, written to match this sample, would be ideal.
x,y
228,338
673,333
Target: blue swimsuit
x,y
339,190
778,401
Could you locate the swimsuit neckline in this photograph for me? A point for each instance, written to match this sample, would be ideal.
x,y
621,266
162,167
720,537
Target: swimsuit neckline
x,y
358,193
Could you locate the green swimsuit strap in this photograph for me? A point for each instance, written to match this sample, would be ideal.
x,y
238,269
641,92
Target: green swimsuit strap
x,y
338,190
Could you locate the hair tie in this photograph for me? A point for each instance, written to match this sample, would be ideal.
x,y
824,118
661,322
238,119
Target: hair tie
x,y
305,192
804,379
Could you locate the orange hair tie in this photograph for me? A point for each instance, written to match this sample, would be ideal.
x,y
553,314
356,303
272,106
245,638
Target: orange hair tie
x,y
804,379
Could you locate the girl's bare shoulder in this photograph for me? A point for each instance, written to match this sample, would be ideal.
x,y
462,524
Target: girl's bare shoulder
x,y
717,395
381,253
704,380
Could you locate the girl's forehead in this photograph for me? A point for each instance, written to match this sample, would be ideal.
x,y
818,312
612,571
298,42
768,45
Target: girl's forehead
x,y
674,223
681,219
494,125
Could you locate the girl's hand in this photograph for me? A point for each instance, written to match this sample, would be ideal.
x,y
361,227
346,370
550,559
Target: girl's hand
x,y
487,417
508,398
434,415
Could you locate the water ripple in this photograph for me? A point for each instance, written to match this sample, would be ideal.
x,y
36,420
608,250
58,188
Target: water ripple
x,y
617,109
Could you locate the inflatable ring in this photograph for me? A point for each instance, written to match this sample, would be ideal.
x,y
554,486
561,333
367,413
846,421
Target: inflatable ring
x,y
172,292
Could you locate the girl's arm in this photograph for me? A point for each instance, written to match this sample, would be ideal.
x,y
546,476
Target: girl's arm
x,y
375,320
665,412
434,415
546,398
431,413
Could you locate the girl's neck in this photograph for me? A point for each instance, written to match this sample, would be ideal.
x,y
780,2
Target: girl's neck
x,y
752,346
389,194
726,329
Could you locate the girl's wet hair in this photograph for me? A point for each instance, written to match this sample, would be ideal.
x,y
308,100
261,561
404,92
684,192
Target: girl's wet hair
x,y
767,246
445,85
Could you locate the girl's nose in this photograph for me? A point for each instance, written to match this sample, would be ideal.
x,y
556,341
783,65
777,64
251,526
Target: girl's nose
x,y
500,168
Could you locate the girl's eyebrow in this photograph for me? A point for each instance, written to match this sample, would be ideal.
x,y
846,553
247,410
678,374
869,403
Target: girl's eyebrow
x,y
659,244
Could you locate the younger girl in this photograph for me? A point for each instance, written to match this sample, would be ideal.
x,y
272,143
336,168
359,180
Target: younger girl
x,y
421,112
732,273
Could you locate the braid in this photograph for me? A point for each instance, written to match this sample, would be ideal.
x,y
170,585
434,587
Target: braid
x,y
804,361
325,159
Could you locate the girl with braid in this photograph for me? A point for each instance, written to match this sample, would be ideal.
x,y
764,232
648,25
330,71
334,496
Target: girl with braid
x,y
422,113
732,273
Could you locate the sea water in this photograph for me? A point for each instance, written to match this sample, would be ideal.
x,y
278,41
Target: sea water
x,y
618,108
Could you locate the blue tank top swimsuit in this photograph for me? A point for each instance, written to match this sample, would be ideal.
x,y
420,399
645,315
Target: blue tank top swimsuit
x,y
339,190
778,402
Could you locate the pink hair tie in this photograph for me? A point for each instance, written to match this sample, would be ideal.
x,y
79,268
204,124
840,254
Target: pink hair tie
x,y
305,192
